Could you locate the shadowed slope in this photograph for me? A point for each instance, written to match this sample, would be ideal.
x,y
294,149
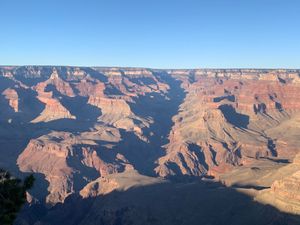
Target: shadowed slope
x,y
167,204
160,109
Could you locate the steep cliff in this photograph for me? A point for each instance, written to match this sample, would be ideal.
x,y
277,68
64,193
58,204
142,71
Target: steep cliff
x,y
84,128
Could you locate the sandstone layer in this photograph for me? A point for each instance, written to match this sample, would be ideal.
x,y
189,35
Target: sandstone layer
x,y
81,129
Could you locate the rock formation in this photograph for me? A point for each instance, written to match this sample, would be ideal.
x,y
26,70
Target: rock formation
x,y
284,192
12,96
83,130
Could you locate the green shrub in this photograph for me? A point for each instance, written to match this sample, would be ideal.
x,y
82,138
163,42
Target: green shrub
x,y
12,196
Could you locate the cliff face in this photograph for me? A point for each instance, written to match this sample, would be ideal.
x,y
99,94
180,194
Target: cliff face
x,y
230,119
12,97
284,192
79,126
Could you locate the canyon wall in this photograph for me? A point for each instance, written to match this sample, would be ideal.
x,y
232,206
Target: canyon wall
x,y
76,126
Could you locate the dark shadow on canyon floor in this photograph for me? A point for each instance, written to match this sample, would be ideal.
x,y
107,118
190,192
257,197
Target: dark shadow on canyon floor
x,y
161,108
193,203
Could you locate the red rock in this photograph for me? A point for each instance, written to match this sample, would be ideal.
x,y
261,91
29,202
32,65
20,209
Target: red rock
x,y
13,100
203,139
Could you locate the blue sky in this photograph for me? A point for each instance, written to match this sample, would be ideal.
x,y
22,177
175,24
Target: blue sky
x,y
151,33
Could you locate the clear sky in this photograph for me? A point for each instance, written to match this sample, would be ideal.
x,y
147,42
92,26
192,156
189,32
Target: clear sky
x,y
151,33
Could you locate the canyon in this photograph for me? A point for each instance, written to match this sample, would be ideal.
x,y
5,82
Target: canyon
x,y
104,142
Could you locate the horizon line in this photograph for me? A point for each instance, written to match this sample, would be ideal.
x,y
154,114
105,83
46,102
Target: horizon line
x,y
155,68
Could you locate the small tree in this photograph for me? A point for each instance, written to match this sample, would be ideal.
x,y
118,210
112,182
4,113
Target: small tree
x,y
12,196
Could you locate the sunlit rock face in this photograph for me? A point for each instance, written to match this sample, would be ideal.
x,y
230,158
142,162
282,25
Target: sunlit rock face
x,y
12,97
80,128
232,118
284,192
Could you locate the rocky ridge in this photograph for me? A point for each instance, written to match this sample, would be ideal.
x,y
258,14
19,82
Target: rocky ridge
x,y
78,126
